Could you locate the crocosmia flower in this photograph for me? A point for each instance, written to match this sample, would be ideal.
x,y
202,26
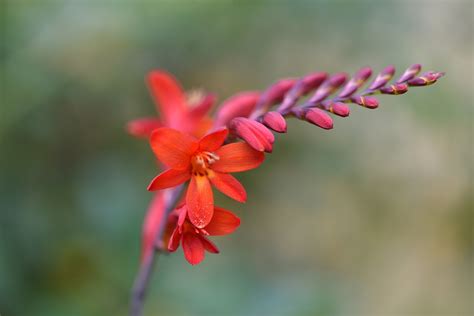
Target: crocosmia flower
x,y
185,112
194,240
204,162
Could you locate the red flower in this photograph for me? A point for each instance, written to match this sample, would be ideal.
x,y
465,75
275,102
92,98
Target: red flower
x,y
193,239
177,110
204,162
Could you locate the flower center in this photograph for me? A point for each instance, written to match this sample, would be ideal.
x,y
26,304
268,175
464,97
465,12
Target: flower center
x,y
201,162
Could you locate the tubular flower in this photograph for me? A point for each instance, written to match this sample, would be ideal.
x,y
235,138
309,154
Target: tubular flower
x,y
193,239
185,112
204,162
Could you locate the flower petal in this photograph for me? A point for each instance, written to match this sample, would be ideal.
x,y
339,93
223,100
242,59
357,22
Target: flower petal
x,y
209,245
173,148
223,222
175,238
168,179
143,127
200,201
237,157
193,248
213,141
154,219
169,97
228,185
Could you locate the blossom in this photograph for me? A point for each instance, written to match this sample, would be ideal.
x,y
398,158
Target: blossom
x,y
204,162
194,240
185,112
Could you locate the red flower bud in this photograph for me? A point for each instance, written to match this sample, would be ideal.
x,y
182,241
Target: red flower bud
x,y
241,104
276,92
275,121
426,79
382,78
340,109
319,118
313,81
368,102
410,73
328,87
356,82
399,88
253,132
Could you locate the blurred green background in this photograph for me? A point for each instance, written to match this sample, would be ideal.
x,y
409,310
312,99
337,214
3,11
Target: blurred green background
x,y
371,218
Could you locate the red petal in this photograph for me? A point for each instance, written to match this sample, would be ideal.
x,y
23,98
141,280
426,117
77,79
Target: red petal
x,y
237,157
241,104
223,222
209,245
168,96
228,185
203,107
200,201
173,148
153,221
193,248
213,141
143,127
168,179
175,238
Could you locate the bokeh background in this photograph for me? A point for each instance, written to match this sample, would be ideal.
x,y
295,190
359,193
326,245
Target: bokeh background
x,y
372,218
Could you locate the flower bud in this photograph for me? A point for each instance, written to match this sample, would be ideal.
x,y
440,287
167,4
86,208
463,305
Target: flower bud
x,y
368,102
382,78
328,87
410,73
319,118
399,88
338,108
253,132
313,81
275,121
426,79
276,92
241,104
356,82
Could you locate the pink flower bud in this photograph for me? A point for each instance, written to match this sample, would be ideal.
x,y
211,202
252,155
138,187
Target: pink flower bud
x,y
356,82
382,78
313,81
410,73
328,87
340,109
399,88
368,102
275,121
253,132
319,118
241,104
425,79
276,92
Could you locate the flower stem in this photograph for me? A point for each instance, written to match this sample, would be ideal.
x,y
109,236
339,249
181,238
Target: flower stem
x,y
144,274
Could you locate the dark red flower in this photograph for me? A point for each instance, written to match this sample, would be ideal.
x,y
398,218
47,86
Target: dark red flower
x,y
193,239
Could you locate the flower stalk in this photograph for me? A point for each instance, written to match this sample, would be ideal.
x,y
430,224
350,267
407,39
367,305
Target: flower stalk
x,y
200,149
